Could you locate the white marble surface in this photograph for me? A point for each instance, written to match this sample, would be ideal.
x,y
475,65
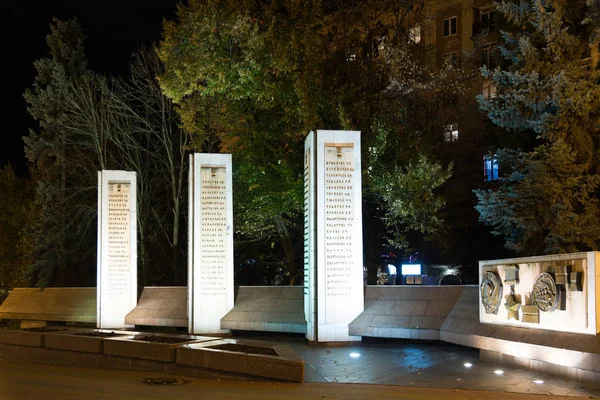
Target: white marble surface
x,y
210,251
580,315
117,248
333,223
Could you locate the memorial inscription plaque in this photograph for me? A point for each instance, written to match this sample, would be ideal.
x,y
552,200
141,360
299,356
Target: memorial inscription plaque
x,y
118,245
117,248
210,252
333,234
213,249
339,222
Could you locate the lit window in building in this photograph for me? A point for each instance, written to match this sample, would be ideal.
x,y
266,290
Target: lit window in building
x,y
450,26
414,34
451,133
490,167
489,90
487,20
351,57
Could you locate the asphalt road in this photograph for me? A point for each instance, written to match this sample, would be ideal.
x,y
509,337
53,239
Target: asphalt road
x,y
44,382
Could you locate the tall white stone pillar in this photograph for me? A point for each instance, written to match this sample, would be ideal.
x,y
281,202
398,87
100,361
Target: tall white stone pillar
x,y
333,263
116,286
210,243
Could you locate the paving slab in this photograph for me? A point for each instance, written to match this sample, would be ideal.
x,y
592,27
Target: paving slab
x,y
53,383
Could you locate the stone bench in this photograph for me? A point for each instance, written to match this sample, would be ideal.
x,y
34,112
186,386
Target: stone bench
x,y
160,306
35,307
267,308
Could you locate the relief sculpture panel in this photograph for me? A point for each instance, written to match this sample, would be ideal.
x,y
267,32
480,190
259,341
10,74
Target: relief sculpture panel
x,y
491,292
545,293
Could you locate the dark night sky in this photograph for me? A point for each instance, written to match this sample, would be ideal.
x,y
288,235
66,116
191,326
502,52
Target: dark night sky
x,y
113,28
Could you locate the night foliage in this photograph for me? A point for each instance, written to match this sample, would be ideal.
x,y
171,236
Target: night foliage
x,y
547,201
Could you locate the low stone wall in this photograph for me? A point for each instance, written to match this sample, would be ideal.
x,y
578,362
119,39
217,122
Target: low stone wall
x,y
405,312
50,304
267,308
451,314
445,313
266,366
160,306
192,355
572,355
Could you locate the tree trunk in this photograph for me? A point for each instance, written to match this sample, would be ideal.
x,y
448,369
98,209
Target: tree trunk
x,y
288,249
176,247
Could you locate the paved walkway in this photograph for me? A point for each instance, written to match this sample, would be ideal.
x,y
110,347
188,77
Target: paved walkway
x,y
427,365
30,381
377,365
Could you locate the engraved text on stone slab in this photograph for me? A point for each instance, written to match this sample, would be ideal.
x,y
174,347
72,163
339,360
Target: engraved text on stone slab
x,y
118,241
213,242
340,253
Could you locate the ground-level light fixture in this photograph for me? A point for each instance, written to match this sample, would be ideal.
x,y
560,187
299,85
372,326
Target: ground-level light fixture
x,y
354,355
499,372
468,365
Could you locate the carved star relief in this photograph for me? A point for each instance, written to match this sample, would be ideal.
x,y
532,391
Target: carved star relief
x,y
513,303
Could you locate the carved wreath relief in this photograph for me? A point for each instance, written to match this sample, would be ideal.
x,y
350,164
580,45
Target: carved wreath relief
x,y
491,292
545,294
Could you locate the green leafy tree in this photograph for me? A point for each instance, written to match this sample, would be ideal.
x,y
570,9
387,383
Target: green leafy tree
x,y
232,81
547,200
16,215
407,191
254,78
